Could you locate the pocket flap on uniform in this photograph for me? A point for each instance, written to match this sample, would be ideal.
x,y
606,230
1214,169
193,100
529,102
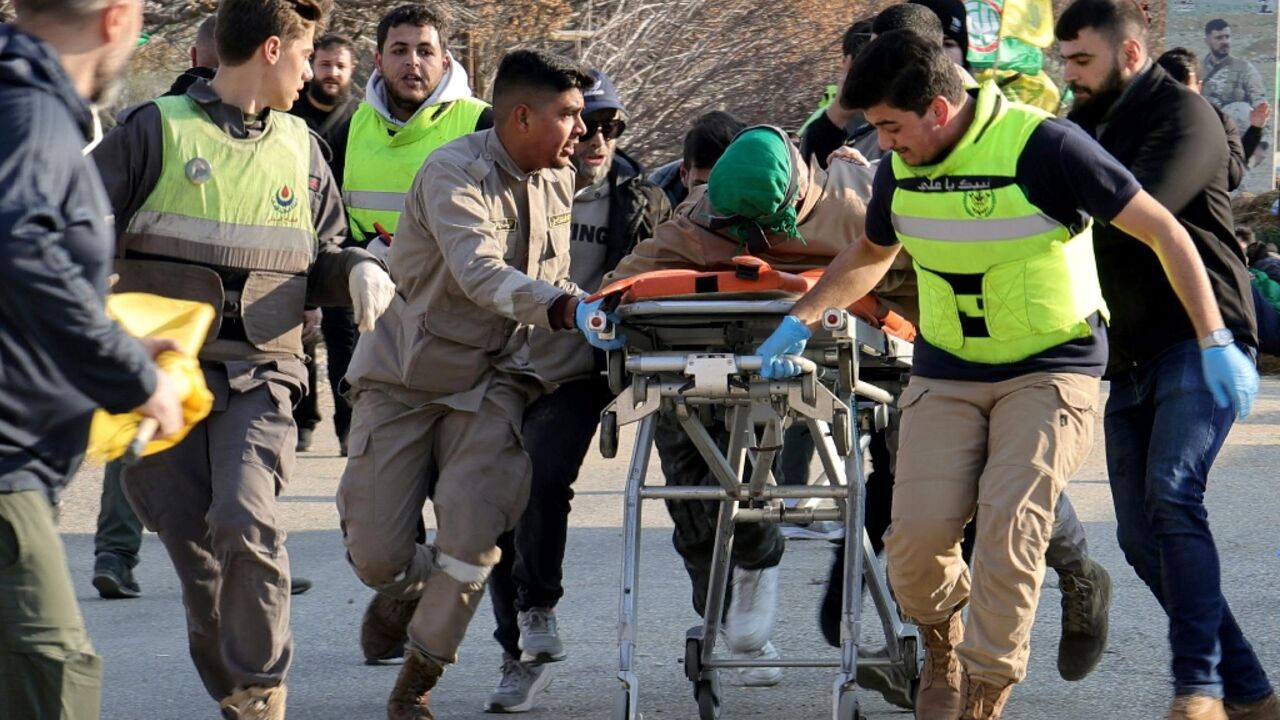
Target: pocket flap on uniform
x,y
911,396
487,334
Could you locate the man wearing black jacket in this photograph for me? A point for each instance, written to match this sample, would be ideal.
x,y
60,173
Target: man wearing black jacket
x,y
61,356
1171,403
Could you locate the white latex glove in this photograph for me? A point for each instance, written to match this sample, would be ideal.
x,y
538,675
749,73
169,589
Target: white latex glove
x,y
378,248
371,293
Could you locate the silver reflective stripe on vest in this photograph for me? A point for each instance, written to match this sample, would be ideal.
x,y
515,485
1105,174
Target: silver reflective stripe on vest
x,y
371,200
1019,228
283,249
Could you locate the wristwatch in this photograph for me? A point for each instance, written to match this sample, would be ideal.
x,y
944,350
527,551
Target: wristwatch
x,y
1221,337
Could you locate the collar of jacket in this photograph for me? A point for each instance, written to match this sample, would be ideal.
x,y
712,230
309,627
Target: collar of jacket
x,y
495,150
27,60
1137,91
229,118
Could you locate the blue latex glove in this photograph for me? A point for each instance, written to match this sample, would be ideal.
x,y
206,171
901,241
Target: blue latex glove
x,y
580,316
788,339
1232,378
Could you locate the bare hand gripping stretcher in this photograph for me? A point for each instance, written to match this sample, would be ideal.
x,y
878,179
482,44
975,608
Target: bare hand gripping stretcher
x,y
689,337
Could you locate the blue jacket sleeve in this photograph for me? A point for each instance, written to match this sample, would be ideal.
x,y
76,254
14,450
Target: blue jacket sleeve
x,y
45,293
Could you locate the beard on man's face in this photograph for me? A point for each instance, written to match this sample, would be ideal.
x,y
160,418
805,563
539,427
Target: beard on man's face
x,y
1092,104
324,95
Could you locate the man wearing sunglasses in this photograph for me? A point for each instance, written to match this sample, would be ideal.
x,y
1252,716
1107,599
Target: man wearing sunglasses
x,y
614,207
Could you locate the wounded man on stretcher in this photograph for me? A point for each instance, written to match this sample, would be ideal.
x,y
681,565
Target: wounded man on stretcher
x,y
763,227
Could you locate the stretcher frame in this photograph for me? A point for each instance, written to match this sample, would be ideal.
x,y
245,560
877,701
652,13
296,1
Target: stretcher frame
x,y
682,357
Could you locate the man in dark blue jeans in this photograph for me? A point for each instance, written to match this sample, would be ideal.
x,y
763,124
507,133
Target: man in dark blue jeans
x,y
1170,409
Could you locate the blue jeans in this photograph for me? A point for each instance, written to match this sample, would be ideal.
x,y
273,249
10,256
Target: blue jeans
x,y
1163,432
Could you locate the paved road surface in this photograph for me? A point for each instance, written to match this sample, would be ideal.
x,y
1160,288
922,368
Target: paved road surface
x,y
149,675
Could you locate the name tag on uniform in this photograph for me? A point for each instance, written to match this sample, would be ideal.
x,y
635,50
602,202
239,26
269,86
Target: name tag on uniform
x,y
503,224
558,220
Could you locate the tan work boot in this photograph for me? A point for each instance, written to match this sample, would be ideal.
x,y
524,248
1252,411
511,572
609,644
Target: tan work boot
x,y
256,703
940,696
983,701
1196,707
413,688
383,630
1268,708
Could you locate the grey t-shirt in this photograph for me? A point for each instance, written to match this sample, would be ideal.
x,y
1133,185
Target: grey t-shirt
x,y
565,356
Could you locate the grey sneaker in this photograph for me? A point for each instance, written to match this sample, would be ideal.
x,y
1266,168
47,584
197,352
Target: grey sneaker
x,y
519,687
540,636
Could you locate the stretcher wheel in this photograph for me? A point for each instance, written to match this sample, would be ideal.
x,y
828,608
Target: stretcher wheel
x,y
844,362
617,373
621,705
848,709
693,658
842,431
911,655
707,693
609,435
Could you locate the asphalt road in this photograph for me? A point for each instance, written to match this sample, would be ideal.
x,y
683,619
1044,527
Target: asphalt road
x,y
149,675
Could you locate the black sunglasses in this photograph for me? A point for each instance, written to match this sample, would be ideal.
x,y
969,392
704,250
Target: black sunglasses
x,y
612,129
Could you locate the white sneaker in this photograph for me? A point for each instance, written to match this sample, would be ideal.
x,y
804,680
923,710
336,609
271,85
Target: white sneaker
x,y
760,676
749,623
519,686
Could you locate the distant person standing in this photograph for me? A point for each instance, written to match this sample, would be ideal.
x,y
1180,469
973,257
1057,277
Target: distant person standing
x,y
1226,79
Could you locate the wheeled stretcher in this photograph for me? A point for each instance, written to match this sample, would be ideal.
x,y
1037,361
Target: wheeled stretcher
x,y
689,338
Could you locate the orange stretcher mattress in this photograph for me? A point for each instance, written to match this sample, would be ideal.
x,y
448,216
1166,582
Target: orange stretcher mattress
x,y
751,278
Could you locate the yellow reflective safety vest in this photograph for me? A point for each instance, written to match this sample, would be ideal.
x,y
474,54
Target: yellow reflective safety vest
x,y
226,207
383,159
999,280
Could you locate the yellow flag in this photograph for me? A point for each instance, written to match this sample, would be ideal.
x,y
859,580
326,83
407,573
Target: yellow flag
x,y
1030,21
183,321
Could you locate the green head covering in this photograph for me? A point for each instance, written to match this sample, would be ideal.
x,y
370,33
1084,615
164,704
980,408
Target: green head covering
x,y
755,184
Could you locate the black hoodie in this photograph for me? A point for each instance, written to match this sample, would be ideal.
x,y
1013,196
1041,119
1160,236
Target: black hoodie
x,y
60,357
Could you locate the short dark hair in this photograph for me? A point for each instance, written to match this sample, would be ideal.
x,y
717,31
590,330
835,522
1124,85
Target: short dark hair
x,y
909,16
243,25
418,15
903,70
207,32
522,72
707,139
63,11
1215,25
335,41
1116,20
856,38
1180,63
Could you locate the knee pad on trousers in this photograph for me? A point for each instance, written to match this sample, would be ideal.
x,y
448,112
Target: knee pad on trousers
x,y
393,576
470,576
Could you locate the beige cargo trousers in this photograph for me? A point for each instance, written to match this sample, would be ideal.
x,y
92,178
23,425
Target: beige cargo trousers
x,y
1008,447
473,467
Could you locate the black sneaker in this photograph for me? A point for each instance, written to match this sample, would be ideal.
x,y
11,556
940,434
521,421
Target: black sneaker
x,y
304,440
113,578
1086,604
298,585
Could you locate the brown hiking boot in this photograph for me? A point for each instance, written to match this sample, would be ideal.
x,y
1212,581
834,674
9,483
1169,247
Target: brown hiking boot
x,y
256,703
382,632
1196,707
413,688
1268,708
1086,604
939,697
983,701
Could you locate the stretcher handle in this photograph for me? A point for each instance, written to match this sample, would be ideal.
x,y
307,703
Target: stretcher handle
x,y
147,430
656,363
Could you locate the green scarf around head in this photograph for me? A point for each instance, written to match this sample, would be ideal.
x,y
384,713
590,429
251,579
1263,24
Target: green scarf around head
x,y
750,181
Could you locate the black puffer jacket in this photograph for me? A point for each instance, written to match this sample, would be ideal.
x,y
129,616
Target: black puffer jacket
x,y
60,357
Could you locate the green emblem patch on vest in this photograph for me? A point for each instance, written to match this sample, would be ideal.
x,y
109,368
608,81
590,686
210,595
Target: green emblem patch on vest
x,y
980,203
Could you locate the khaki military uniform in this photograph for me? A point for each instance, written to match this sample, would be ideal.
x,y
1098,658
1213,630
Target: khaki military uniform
x,y
440,386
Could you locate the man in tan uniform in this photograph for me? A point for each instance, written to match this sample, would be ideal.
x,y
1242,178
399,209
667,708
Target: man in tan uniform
x,y
439,388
